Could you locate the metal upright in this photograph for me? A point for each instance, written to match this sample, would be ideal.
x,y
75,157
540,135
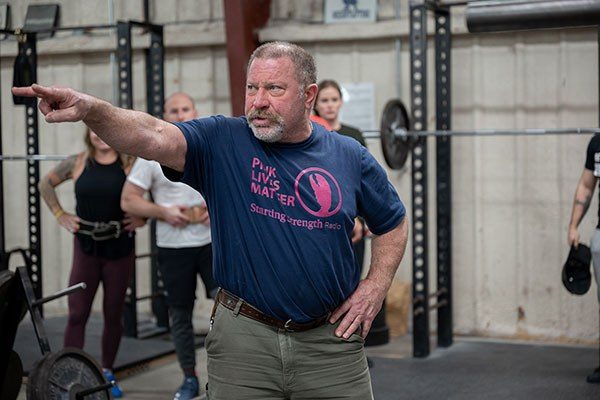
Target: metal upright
x,y
155,96
420,242
418,80
34,267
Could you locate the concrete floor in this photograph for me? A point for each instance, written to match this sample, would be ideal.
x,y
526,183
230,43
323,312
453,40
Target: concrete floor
x,y
159,379
473,368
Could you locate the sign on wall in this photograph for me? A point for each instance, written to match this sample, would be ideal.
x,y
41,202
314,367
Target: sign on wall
x,y
348,11
359,105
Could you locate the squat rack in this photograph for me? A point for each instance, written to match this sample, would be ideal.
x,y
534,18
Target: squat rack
x,y
489,16
154,59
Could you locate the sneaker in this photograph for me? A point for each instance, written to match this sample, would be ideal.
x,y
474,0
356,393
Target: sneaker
x,y
594,377
116,390
189,389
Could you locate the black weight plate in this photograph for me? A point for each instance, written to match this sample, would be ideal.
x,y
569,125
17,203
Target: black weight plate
x,y
9,390
63,374
395,150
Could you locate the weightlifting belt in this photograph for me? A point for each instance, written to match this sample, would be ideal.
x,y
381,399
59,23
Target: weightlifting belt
x,y
239,306
100,231
195,214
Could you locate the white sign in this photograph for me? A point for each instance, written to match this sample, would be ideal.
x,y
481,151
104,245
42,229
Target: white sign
x,y
359,105
348,11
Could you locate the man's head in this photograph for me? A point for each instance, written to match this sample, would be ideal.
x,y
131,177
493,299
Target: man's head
x,y
179,107
280,91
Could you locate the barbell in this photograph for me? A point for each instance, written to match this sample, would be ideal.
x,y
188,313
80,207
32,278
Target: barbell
x,y
397,140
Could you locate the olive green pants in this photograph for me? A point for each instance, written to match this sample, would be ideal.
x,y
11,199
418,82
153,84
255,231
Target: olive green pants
x,y
248,360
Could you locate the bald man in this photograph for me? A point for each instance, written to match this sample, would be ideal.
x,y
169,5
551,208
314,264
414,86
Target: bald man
x,y
183,240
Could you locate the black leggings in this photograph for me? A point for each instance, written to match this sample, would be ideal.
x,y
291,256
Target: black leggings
x,y
115,276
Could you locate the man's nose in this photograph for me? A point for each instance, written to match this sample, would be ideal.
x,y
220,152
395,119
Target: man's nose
x,y
180,116
261,99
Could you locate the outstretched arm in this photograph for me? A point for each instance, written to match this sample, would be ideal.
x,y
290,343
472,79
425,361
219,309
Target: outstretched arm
x,y
581,203
128,131
360,309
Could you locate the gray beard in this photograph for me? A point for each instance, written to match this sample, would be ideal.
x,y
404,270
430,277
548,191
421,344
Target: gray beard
x,y
272,135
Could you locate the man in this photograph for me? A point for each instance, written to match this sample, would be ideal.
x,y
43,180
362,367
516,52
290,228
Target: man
x,y
282,195
183,241
581,202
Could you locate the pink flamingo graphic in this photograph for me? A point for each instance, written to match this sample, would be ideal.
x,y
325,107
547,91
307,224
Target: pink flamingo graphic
x,y
322,192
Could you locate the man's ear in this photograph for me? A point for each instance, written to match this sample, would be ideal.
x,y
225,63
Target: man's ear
x,y
311,95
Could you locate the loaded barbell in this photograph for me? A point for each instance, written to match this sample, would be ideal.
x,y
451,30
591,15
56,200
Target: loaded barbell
x,y
397,140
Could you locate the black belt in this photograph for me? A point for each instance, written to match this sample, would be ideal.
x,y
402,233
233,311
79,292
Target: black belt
x,y
100,231
238,305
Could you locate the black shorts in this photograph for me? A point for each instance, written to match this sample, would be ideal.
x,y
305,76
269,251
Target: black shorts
x,y
179,269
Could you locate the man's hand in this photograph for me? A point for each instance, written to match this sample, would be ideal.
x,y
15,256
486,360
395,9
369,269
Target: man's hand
x,y
360,309
131,222
357,232
573,237
58,104
175,216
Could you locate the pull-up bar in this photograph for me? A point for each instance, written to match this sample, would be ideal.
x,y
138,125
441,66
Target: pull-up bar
x,y
514,15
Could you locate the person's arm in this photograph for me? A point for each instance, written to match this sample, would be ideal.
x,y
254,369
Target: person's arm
x,y
133,202
127,131
62,172
360,309
581,203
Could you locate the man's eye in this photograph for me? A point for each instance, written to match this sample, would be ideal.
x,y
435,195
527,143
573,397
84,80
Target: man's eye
x,y
250,88
275,89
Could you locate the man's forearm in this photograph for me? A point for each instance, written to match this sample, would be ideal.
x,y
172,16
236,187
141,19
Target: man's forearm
x,y
581,203
387,251
128,131
141,207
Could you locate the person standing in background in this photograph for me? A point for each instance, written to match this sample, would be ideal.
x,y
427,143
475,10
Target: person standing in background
x,y
183,240
103,243
327,106
581,202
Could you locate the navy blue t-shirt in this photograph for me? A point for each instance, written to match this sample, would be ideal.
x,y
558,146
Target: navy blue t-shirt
x,y
282,214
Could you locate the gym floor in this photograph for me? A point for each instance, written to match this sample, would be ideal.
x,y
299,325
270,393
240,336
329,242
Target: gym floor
x,y
473,368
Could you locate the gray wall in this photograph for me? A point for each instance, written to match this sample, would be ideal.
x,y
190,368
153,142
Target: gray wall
x,y
512,196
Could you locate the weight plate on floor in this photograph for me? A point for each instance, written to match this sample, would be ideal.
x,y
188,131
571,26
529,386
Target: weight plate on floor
x,y
63,374
395,149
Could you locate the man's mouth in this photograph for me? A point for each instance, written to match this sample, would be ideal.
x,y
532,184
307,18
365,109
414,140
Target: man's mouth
x,y
260,121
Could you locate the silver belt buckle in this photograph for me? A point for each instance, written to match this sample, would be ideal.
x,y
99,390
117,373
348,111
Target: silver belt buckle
x,y
287,324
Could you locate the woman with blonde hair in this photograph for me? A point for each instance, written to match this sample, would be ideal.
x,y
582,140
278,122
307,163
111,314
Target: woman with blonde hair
x,y
103,243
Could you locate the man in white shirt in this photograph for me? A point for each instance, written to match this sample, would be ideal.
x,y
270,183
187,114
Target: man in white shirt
x,y
183,240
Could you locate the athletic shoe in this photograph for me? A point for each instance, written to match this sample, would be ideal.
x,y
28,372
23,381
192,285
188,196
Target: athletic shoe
x,y
116,390
594,377
189,389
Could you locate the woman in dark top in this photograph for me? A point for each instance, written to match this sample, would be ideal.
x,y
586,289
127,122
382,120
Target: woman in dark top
x,y
103,244
327,106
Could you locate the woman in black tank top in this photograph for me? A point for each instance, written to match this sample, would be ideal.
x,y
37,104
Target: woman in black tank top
x,y
103,245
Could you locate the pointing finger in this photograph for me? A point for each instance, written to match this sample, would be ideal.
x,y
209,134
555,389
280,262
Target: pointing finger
x,y
26,91
45,91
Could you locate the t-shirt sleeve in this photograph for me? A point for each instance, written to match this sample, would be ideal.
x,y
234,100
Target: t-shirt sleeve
x,y
378,201
197,134
141,174
592,149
